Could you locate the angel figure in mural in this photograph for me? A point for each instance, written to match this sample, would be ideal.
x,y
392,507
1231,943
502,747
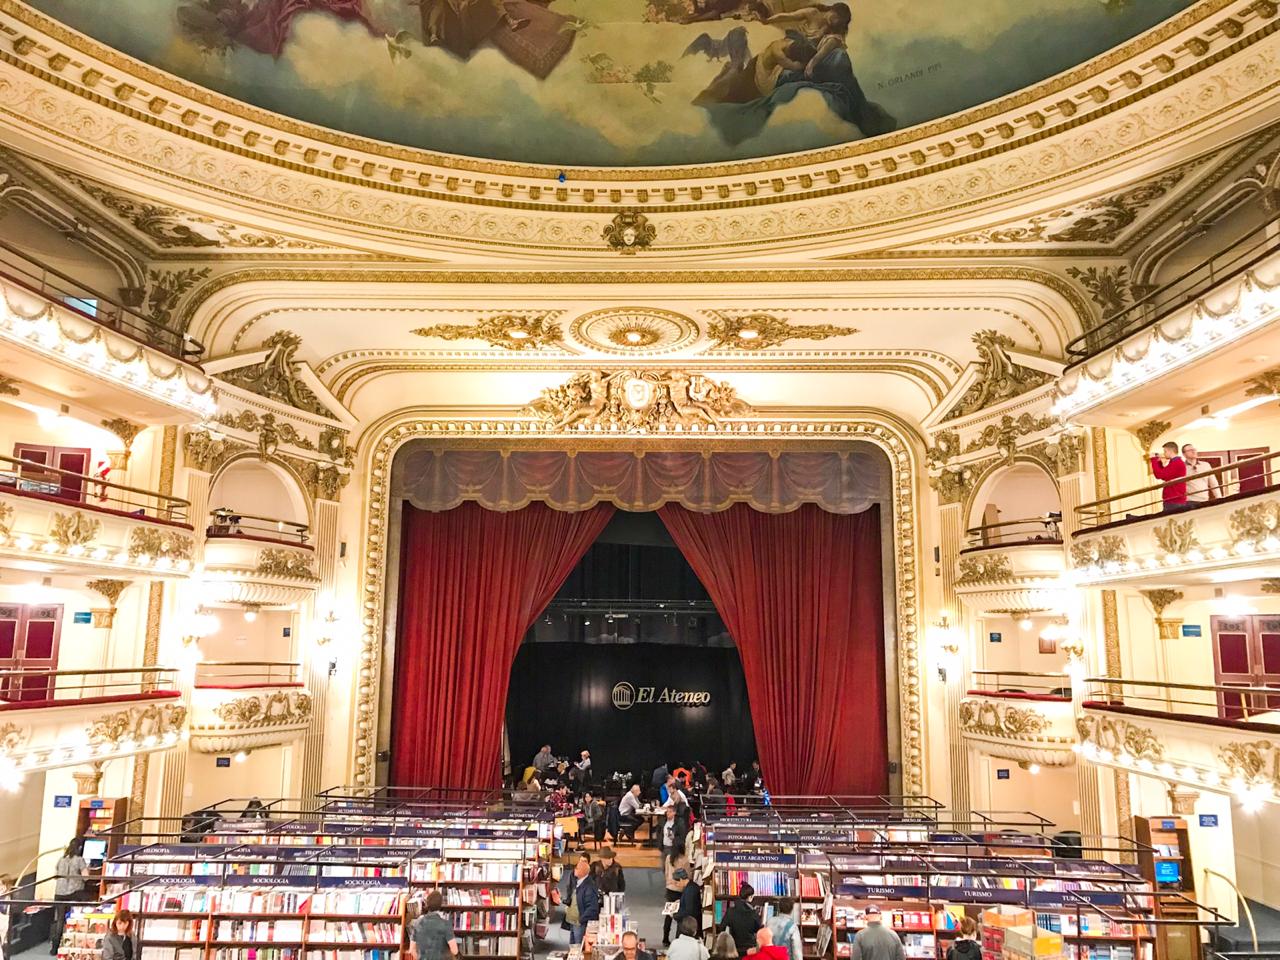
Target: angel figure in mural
x,y
811,55
525,31
219,26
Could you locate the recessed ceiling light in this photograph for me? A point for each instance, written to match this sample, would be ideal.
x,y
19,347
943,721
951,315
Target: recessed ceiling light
x,y
518,334
748,333
634,336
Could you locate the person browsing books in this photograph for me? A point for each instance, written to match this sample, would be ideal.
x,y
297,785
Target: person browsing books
x,y
433,936
966,945
583,904
785,930
611,879
874,942
119,943
741,919
631,947
687,945
675,869
690,909
766,949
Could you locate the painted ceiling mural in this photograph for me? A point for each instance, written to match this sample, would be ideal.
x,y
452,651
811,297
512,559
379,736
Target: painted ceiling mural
x,y
614,82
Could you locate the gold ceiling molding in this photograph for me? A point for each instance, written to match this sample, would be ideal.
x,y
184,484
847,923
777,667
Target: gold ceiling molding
x,y
759,331
511,331
633,330
732,215
276,376
1083,313
895,439
638,401
919,374
1118,75
999,376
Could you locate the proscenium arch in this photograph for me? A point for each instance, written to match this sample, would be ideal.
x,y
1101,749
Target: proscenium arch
x,y
379,443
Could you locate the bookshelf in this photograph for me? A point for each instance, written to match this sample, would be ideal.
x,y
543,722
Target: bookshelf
x,y
83,933
1165,862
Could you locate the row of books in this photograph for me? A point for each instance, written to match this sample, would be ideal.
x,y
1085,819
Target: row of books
x,y
362,902
436,871
353,931
460,897
265,931
766,883
490,946
901,919
494,921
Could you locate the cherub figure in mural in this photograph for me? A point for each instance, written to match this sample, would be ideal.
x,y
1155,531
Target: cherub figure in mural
x,y
527,33
218,26
812,55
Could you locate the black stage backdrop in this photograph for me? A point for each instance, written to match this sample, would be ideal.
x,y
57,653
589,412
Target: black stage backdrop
x,y
563,694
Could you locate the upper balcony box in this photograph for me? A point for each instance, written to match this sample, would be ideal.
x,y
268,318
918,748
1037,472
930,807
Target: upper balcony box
x,y
247,704
257,561
54,719
1134,537
1220,738
94,351
1025,717
1133,367
1012,568
53,519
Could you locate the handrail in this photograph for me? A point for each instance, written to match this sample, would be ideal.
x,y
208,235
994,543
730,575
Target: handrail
x,y
46,686
1220,698
1060,684
1098,513
120,318
1146,311
215,674
1045,528
26,477
1253,930
226,522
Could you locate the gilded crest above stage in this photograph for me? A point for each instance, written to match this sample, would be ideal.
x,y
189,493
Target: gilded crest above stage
x,y
613,82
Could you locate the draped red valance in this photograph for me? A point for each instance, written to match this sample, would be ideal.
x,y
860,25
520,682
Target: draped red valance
x,y
839,481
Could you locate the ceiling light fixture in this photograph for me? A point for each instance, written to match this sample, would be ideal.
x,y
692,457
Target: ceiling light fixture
x,y
634,336
518,333
748,333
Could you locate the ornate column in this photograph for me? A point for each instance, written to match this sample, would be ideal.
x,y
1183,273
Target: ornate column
x,y
155,610
951,539
174,778
1111,629
326,547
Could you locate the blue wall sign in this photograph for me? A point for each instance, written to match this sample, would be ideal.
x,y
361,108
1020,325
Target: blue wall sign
x,y
1002,773
995,637
82,616
222,761
1208,819
61,801
1191,630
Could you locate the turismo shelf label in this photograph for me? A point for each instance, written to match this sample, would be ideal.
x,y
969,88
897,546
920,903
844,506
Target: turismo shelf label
x,y
890,891
976,894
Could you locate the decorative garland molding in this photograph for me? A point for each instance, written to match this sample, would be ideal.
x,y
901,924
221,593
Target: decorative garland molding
x,y
382,440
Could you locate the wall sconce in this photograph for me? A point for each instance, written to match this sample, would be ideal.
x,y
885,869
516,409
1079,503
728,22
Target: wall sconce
x,y
324,635
250,612
946,644
203,624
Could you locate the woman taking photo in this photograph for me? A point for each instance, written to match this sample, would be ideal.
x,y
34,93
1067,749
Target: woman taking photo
x,y
119,943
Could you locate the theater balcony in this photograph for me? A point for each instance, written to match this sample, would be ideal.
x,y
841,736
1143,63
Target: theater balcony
x,y
1024,717
54,520
257,561
1134,366
1129,539
1220,738
245,704
96,351
63,718
1012,568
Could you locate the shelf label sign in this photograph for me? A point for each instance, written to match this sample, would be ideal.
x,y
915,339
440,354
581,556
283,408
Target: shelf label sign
x,y
1208,819
61,801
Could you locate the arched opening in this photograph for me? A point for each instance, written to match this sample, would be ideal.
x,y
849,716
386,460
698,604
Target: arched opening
x,y
1017,504
260,491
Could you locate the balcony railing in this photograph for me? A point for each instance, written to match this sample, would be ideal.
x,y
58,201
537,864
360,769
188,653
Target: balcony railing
x,y
1046,529
19,267
28,478
225,522
1237,702
1239,480
247,674
27,689
1232,261
1017,683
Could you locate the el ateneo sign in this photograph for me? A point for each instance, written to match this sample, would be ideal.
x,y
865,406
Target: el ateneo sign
x,y
626,696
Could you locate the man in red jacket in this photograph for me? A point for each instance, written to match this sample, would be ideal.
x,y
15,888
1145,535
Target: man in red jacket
x,y
766,949
1168,465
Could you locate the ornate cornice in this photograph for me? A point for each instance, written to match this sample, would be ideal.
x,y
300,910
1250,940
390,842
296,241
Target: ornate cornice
x,y
1121,98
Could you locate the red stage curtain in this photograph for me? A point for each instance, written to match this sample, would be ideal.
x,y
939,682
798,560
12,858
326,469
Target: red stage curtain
x,y
472,582
801,594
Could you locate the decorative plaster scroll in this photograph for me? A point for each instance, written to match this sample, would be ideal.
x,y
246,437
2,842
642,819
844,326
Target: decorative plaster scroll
x,y
999,377
1120,737
638,401
986,568
1099,551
